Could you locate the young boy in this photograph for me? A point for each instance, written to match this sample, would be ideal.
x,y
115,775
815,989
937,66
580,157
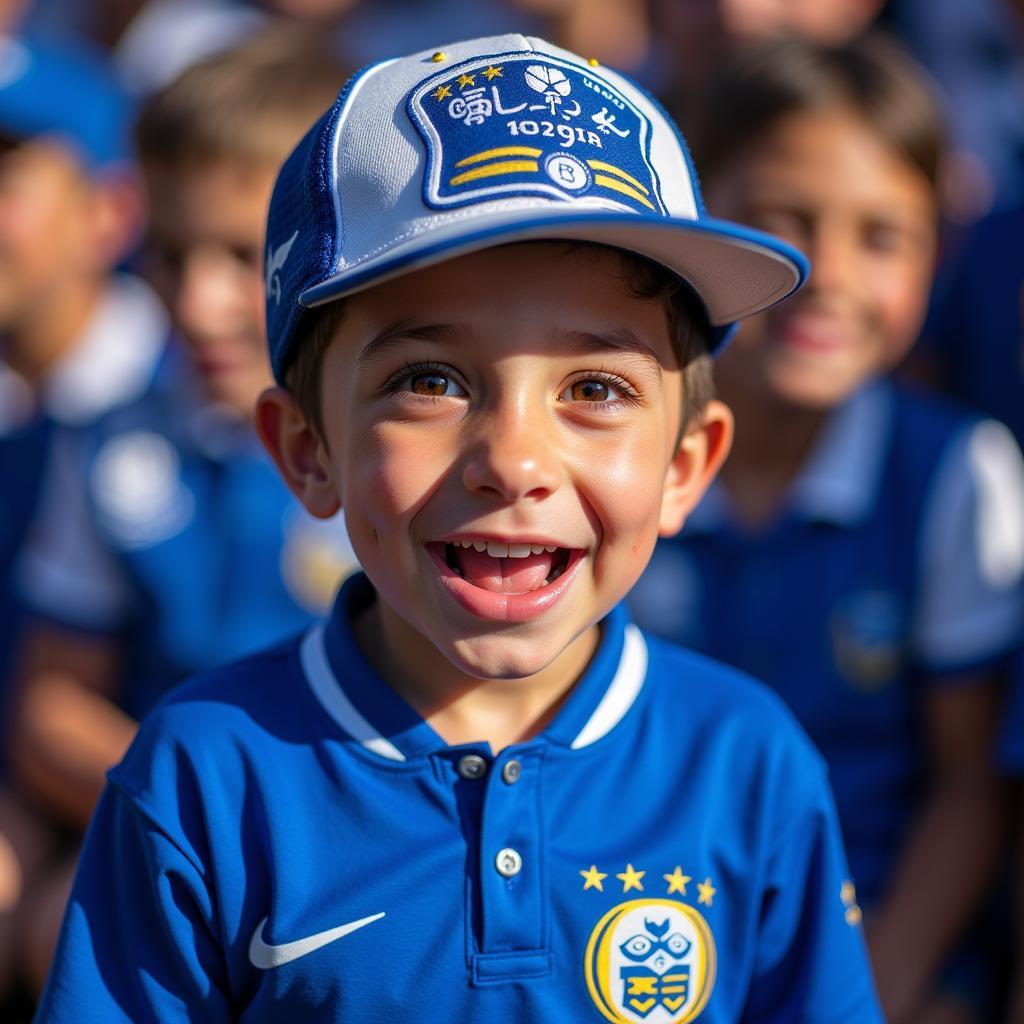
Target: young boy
x,y
477,792
138,573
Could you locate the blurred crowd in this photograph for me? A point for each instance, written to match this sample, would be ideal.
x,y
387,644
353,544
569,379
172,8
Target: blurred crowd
x,y
862,552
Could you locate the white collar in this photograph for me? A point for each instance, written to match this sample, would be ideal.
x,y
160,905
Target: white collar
x,y
111,363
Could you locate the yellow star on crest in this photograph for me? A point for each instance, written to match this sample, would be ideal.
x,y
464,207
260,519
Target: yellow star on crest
x,y
492,73
593,879
705,892
442,92
631,879
465,80
677,881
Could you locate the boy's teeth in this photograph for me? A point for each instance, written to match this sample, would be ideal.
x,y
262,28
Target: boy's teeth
x,y
497,549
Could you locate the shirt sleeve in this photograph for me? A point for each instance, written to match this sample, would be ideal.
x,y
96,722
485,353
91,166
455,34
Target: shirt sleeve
x,y
138,940
66,572
972,553
811,962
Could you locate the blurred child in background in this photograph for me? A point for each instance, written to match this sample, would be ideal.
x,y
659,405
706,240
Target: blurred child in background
x,y
137,573
863,550
75,338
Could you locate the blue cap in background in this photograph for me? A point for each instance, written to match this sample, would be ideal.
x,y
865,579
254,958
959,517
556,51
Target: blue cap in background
x,y
66,92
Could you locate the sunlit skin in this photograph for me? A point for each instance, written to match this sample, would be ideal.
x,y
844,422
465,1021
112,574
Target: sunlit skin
x,y
518,395
204,257
866,218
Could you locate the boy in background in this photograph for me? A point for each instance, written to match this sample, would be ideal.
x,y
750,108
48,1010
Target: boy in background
x,y
862,551
75,338
138,572
477,792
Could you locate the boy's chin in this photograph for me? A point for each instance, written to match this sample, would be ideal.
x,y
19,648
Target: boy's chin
x,y
503,657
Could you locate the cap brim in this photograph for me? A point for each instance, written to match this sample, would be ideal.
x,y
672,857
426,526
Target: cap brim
x,y
736,271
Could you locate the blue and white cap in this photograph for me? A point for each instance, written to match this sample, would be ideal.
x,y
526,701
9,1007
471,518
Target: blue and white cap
x,y
490,141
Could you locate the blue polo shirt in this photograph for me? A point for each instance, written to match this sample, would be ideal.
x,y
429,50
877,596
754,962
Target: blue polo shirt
x,y
287,839
165,528
893,569
112,362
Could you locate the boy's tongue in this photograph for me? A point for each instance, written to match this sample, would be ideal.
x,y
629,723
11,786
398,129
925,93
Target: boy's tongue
x,y
504,575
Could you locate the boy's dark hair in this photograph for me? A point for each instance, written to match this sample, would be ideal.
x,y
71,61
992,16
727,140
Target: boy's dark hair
x,y
251,103
871,76
687,321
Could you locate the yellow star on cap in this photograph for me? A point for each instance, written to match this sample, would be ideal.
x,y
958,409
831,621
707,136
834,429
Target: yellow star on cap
x,y
465,80
631,879
592,879
677,881
706,892
492,72
442,92
847,893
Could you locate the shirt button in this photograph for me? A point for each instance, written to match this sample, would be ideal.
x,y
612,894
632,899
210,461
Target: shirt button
x,y
508,862
471,766
511,771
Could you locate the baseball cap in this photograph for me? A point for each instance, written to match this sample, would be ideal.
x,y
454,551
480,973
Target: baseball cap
x,y
490,141
65,91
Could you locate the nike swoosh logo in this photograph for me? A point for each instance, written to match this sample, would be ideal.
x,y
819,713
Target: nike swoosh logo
x,y
265,956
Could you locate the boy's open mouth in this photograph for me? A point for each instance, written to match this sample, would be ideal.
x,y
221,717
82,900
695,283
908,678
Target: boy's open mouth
x,y
503,568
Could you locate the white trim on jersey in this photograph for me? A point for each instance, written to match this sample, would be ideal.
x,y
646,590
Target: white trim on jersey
x,y
324,684
621,692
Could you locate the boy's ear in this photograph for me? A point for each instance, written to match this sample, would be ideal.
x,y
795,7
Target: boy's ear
x,y
699,456
298,451
116,217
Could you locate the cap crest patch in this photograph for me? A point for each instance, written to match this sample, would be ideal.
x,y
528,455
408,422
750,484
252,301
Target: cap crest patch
x,y
528,124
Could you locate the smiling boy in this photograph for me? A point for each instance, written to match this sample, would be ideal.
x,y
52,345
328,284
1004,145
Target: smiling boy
x,y
477,792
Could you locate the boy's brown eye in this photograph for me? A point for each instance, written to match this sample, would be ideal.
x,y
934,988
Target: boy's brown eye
x,y
433,384
590,391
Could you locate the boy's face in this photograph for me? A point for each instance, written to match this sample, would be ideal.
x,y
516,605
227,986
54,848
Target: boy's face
x,y
204,250
45,227
866,219
516,400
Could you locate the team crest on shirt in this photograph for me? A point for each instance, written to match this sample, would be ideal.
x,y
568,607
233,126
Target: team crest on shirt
x,y
651,959
867,631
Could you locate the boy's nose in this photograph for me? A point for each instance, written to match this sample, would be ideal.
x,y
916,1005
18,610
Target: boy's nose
x,y
205,298
511,460
833,254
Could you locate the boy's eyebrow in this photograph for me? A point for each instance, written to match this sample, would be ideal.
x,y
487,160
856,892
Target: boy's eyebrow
x,y
619,340
570,342
397,333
